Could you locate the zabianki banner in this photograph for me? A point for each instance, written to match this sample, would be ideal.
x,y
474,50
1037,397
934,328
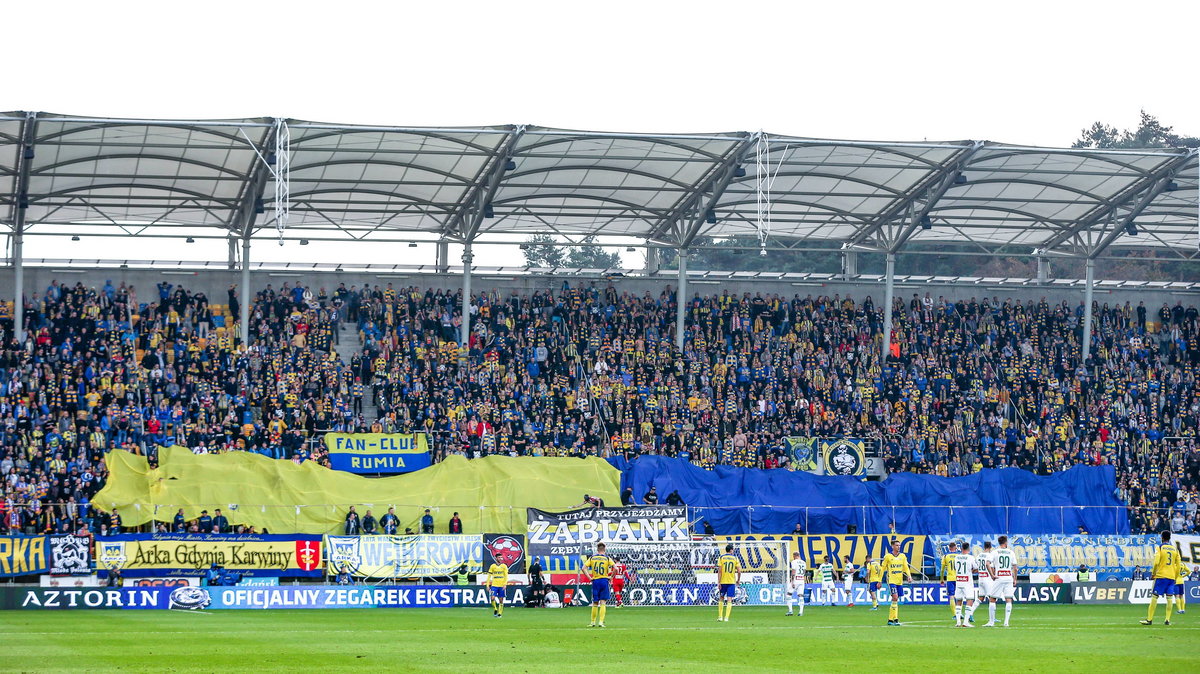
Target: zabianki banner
x,y
576,532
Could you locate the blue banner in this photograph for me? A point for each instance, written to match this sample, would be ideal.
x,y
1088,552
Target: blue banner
x,y
373,453
739,500
1110,557
24,555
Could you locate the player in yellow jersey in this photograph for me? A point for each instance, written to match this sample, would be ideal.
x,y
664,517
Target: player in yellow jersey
x,y
1166,569
497,580
729,574
896,570
948,576
598,568
1180,602
874,577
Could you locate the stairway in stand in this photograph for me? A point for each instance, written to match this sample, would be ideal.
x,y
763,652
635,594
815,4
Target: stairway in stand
x,y
349,343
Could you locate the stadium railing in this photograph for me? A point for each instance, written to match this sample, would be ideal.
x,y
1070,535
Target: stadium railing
x,y
755,519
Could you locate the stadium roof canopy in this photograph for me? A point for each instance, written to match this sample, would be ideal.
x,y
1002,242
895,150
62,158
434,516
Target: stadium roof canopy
x,y
60,173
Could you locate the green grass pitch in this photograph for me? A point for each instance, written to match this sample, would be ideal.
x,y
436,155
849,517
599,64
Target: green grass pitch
x,y
757,639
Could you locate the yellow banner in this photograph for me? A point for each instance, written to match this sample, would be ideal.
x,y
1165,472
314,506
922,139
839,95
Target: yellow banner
x,y
194,553
489,494
22,555
837,546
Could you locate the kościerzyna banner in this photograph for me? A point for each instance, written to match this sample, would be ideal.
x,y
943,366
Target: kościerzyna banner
x,y
373,453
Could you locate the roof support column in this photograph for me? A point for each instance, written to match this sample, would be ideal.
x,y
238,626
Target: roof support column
x,y
465,337
245,317
1089,286
232,262
653,261
681,298
19,210
849,264
889,290
1043,269
443,257
18,262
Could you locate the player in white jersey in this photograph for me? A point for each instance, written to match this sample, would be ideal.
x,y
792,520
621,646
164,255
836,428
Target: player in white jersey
x,y
797,576
848,570
983,563
964,586
826,576
1004,575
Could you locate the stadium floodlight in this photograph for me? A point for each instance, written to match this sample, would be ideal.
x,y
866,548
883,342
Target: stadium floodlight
x,y
1131,229
259,207
960,179
75,238
28,153
524,246
926,222
631,249
739,172
710,217
190,240
303,242
412,244
510,165
1171,186
488,211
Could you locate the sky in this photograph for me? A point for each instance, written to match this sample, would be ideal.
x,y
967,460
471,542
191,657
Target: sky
x,y
1032,73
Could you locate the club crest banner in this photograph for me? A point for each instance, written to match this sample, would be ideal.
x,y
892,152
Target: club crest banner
x,y
830,456
70,555
506,549
803,453
378,452
844,456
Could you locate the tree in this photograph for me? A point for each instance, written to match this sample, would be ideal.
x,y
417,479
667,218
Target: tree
x,y
592,256
542,251
1150,133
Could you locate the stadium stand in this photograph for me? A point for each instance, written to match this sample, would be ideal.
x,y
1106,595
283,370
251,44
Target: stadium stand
x,y
587,370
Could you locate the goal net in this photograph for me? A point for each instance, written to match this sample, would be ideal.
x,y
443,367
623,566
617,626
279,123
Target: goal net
x,y
684,573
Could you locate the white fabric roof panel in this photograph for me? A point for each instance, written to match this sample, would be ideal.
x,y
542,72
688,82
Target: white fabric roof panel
x,y
10,149
358,181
